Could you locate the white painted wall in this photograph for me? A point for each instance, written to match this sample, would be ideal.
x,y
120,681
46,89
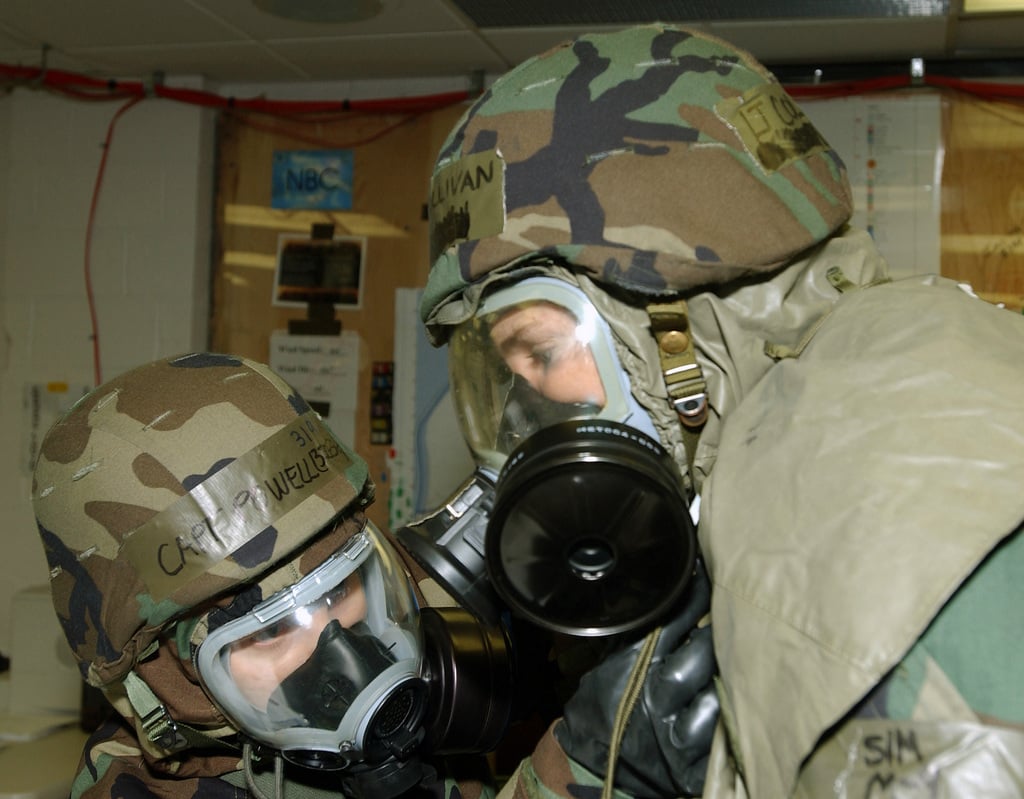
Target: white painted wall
x,y
150,267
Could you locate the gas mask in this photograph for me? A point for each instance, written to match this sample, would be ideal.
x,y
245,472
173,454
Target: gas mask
x,y
343,671
575,518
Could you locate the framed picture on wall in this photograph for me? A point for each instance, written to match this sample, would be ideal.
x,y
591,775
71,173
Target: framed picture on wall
x,y
315,270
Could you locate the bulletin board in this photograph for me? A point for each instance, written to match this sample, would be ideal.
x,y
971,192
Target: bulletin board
x,y
392,156
959,158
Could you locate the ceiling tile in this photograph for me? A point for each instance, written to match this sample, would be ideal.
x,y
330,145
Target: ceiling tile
x,y
805,41
503,14
397,16
67,26
228,61
374,56
991,35
231,41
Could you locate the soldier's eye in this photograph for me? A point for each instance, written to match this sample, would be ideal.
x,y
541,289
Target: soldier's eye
x,y
338,594
271,633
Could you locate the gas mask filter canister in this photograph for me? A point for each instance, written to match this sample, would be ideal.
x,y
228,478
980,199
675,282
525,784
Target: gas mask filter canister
x,y
590,533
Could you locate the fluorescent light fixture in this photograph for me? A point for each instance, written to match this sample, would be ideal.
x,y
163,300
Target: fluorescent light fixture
x,y
348,222
989,6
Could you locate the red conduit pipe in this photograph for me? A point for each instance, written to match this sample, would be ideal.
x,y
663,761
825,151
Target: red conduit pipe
x,y
90,222
85,87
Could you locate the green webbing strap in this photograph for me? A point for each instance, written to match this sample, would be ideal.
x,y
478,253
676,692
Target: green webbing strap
x,y
160,728
634,687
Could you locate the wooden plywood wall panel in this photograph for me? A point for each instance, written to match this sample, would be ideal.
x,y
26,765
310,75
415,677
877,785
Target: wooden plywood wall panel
x,y
982,209
393,157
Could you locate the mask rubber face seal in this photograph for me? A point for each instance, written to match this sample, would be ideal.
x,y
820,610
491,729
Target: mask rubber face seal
x,y
591,533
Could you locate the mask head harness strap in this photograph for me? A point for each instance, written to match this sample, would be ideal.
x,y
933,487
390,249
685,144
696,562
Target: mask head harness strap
x,y
683,376
684,379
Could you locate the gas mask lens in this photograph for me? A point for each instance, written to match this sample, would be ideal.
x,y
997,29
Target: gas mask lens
x,y
536,354
328,670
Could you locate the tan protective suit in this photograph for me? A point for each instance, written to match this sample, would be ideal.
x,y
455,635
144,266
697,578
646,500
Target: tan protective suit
x,y
864,455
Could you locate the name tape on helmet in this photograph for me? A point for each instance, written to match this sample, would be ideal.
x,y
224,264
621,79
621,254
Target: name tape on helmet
x,y
773,128
467,200
235,504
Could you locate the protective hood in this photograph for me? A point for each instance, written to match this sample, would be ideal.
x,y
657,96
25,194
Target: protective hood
x,y
740,330
856,420
731,326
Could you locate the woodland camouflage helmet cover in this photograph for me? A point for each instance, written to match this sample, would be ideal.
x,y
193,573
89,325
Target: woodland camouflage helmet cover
x,y
172,484
658,159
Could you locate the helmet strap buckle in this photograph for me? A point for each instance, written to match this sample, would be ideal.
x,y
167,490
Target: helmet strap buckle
x,y
157,723
160,729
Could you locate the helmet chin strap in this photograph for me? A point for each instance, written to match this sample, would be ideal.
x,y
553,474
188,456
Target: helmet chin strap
x,y
684,378
159,726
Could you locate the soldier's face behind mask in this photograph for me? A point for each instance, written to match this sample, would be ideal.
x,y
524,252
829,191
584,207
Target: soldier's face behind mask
x,y
549,347
261,662
306,669
536,354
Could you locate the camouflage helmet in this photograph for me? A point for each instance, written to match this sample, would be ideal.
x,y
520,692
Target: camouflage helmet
x,y
657,159
173,484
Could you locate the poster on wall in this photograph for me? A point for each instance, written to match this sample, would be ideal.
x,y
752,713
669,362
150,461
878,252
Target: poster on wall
x,y
310,270
317,179
892,148
325,371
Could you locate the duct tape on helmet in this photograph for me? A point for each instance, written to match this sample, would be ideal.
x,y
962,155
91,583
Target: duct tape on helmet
x,y
233,505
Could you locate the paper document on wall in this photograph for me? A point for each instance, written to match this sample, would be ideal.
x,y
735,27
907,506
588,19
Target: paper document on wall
x,y
892,148
325,371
